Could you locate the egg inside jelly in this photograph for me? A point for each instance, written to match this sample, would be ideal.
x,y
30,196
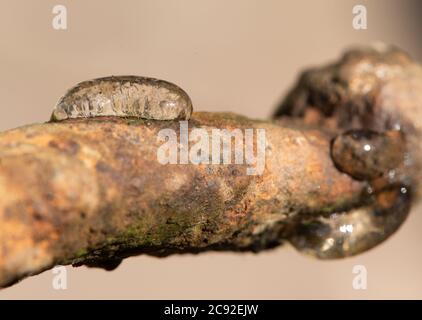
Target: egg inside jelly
x,y
124,96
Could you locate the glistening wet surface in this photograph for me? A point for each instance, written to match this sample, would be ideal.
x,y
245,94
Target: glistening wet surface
x,y
124,96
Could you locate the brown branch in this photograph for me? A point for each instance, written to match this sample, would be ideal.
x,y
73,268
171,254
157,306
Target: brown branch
x,y
92,192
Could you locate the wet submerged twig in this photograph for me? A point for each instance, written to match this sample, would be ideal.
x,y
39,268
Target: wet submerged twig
x,y
91,191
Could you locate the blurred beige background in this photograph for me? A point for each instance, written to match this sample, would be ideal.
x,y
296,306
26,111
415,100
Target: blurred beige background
x,y
235,55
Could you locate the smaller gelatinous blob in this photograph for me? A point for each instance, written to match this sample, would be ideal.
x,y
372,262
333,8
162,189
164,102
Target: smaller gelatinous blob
x,y
366,155
124,96
348,233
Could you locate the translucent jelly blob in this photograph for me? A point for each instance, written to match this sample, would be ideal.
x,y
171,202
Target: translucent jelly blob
x,y
344,234
367,155
124,96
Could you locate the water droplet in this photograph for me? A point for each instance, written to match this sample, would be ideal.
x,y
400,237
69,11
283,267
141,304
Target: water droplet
x,y
365,154
124,96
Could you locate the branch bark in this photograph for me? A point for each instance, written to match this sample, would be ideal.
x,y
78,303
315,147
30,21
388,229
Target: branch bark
x,y
91,191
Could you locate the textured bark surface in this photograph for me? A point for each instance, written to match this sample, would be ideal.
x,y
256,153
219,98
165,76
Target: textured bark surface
x,y
91,191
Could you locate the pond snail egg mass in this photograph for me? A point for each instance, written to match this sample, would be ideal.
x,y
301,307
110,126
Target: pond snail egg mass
x,y
124,96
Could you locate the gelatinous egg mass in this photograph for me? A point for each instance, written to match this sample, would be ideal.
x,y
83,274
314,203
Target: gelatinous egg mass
x,y
124,96
345,234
